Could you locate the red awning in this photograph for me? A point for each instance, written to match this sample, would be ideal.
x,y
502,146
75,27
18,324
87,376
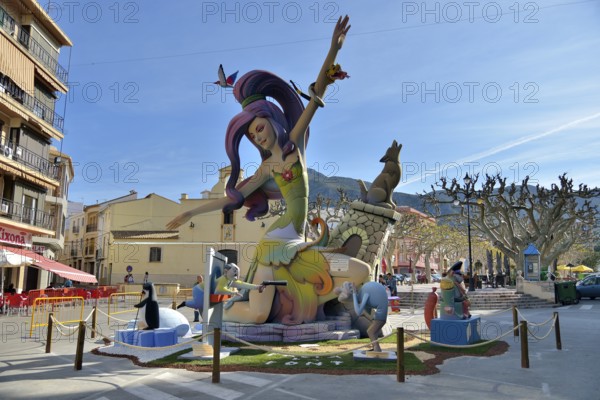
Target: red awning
x,y
55,267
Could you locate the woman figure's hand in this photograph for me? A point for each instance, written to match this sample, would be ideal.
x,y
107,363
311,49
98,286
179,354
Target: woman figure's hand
x,y
339,33
178,220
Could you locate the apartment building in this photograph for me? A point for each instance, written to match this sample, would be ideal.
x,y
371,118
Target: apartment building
x,y
34,175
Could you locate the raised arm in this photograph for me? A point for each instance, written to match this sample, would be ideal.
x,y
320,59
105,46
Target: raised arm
x,y
261,176
298,133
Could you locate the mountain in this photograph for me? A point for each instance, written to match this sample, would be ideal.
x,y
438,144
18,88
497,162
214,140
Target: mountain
x,y
327,187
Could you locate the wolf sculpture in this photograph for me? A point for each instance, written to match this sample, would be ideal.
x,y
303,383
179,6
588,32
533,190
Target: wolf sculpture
x,y
381,191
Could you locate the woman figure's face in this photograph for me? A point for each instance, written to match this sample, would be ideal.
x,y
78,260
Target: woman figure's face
x,y
261,132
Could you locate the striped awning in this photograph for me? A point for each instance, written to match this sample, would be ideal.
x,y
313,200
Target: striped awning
x,y
55,267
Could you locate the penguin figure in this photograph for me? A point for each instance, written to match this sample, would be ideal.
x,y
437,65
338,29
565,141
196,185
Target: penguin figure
x,y
150,306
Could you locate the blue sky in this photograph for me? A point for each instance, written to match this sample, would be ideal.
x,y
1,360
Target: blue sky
x,y
462,87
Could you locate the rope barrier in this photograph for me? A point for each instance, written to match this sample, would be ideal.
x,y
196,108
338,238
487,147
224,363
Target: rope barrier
x,y
113,317
547,334
148,348
74,328
531,323
464,346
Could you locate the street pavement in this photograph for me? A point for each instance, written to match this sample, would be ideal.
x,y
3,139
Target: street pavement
x,y
27,372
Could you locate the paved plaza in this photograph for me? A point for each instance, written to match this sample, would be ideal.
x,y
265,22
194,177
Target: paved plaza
x,y
27,372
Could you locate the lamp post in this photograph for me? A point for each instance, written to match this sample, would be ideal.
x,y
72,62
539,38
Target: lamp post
x,y
468,181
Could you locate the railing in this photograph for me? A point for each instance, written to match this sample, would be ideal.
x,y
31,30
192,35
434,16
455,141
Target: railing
x,y
31,103
33,47
28,215
7,22
32,160
91,228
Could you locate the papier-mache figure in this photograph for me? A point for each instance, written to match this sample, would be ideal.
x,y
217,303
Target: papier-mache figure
x,y
454,302
197,301
276,122
370,296
149,307
229,283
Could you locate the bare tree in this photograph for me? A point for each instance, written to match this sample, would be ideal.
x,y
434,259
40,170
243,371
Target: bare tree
x,y
513,216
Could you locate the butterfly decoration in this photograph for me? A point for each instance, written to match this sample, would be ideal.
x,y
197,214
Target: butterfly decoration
x,y
226,81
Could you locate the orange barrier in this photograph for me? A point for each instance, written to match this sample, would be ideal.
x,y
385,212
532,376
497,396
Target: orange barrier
x,y
65,310
119,303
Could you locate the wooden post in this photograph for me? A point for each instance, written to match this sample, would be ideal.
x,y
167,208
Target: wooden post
x,y
400,355
49,333
515,321
524,345
174,305
94,319
80,342
216,372
557,332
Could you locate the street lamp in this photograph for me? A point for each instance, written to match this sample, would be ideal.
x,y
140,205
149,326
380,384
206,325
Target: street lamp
x,y
467,180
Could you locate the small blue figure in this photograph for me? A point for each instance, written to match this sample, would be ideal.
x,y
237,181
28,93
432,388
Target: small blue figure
x,y
371,295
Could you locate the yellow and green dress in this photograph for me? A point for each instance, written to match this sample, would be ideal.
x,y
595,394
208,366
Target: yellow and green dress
x,y
292,259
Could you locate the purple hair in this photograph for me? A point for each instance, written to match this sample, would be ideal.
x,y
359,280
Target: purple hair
x,y
282,120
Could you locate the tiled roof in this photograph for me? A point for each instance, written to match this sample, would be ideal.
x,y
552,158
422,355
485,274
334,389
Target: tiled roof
x,y
145,234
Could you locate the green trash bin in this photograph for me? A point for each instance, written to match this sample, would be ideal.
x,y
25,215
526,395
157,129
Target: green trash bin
x,y
565,293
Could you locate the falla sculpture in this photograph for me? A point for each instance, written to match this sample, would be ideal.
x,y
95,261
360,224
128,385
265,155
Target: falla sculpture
x,y
279,129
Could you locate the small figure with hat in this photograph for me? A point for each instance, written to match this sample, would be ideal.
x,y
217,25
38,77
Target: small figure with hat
x,y
454,301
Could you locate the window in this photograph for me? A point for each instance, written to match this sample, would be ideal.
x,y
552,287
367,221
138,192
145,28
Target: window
x,y
155,254
228,218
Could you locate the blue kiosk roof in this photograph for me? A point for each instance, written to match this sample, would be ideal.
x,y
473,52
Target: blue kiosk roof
x,y
531,250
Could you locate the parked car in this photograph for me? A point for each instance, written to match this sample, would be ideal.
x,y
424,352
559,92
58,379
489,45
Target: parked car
x,y
400,278
436,278
588,287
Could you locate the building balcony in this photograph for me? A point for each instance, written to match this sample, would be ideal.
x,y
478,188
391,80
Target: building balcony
x,y
31,160
32,104
91,228
27,215
8,24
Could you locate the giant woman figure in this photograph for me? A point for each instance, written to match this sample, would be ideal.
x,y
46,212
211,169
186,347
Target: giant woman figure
x,y
280,132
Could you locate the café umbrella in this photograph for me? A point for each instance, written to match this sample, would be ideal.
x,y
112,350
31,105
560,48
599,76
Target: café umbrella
x,y
581,268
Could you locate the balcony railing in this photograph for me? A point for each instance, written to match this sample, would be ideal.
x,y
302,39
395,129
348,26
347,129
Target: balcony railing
x,y
33,47
20,213
31,103
32,160
91,228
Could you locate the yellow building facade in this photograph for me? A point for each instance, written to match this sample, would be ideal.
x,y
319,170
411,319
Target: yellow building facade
x,y
130,232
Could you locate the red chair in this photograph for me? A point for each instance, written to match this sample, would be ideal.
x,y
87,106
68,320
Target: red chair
x,y
17,303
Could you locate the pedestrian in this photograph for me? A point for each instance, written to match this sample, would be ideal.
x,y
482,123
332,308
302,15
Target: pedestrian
x,y
146,277
391,283
128,278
